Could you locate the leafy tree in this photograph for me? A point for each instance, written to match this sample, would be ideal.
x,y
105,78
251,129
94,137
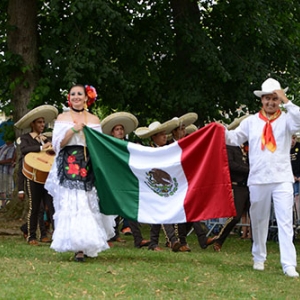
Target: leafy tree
x,y
156,59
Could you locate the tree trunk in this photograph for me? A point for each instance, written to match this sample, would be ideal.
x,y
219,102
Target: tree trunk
x,y
186,16
22,40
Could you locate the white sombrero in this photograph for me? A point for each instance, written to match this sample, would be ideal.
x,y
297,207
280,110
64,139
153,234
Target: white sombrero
x,y
268,87
186,119
190,129
236,122
48,112
155,127
127,120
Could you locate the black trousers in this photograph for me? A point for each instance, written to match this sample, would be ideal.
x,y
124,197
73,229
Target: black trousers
x,y
184,228
181,231
154,234
136,233
242,203
37,195
41,222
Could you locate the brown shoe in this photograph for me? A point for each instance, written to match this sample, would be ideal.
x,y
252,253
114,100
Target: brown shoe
x,y
185,248
157,249
210,240
176,246
217,247
79,256
144,243
118,239
45,240
126,231
33,243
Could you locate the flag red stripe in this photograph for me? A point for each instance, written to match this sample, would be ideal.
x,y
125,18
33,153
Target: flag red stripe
x,y
205,163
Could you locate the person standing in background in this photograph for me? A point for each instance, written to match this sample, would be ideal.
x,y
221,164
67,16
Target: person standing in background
x,y
239,170
178,133
7,165
119,125
295,160
157,132
34,142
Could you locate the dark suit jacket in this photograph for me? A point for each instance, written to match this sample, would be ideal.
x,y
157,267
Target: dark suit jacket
x,y
238,167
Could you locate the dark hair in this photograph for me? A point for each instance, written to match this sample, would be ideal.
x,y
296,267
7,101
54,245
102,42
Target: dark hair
x,y
78,85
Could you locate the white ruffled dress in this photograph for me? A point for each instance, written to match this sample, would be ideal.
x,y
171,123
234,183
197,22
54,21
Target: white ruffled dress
x,y
79,225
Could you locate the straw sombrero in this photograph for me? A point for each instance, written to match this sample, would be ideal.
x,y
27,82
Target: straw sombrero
x,y
127,120
155,127
190,129
186,119
236,122
48,112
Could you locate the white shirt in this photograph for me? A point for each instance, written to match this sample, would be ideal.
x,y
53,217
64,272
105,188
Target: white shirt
x,y
266,166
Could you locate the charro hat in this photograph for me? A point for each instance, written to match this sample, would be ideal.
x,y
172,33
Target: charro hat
x,y
156,127
186,119
236,122
48,112
268,87
190,129
127,120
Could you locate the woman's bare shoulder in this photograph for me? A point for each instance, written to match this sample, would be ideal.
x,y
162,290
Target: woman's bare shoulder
x,y
93,119
65,116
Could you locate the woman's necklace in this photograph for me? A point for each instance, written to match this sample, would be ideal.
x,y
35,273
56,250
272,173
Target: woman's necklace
x,y
77,110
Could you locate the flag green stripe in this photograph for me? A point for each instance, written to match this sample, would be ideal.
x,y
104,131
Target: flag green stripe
x,y
119,195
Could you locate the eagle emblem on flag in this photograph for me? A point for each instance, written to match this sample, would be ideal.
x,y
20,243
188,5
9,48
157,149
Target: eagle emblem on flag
x,y
161,182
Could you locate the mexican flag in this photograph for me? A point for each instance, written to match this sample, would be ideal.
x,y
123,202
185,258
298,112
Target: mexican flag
x,y
185,181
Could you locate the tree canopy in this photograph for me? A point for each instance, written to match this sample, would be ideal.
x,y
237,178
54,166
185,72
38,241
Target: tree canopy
x,y
156,59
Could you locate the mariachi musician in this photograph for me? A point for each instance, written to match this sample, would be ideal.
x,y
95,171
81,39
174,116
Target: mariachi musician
x,y
35,142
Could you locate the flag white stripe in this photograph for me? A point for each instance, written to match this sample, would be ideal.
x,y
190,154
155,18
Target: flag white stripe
x,y
154,208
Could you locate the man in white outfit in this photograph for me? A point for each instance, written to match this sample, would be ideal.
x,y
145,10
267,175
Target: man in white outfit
x,y
269,135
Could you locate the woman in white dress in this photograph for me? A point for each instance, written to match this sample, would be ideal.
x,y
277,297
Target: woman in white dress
x,y
79,225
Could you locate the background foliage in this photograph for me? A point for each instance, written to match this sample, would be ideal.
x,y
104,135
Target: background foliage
x,y
156,59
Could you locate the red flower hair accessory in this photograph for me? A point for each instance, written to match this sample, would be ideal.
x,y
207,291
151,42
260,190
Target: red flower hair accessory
x,y
91,93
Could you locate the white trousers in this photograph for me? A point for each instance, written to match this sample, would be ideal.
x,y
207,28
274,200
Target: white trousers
x,y
283,199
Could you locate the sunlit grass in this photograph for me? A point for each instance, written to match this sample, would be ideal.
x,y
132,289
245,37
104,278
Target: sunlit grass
x,y
124,272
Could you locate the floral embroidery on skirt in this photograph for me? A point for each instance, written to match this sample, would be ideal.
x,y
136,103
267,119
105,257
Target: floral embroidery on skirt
x,y
74,169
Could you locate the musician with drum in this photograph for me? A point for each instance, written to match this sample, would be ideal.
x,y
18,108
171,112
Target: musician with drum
x,y
35,163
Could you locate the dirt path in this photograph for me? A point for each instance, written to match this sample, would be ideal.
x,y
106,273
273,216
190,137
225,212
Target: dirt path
x,y
9,227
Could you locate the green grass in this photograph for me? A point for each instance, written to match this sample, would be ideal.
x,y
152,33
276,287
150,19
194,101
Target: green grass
x,y
123,272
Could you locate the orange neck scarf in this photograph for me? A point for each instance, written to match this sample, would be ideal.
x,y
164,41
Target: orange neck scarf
x,y
267,137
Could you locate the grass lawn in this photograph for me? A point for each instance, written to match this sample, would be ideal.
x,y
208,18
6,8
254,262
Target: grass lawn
x,y
123,272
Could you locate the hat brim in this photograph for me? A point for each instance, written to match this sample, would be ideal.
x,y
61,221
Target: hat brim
x,y
259,94
145,132
190,129
48,112
127,120
236,122
188,119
